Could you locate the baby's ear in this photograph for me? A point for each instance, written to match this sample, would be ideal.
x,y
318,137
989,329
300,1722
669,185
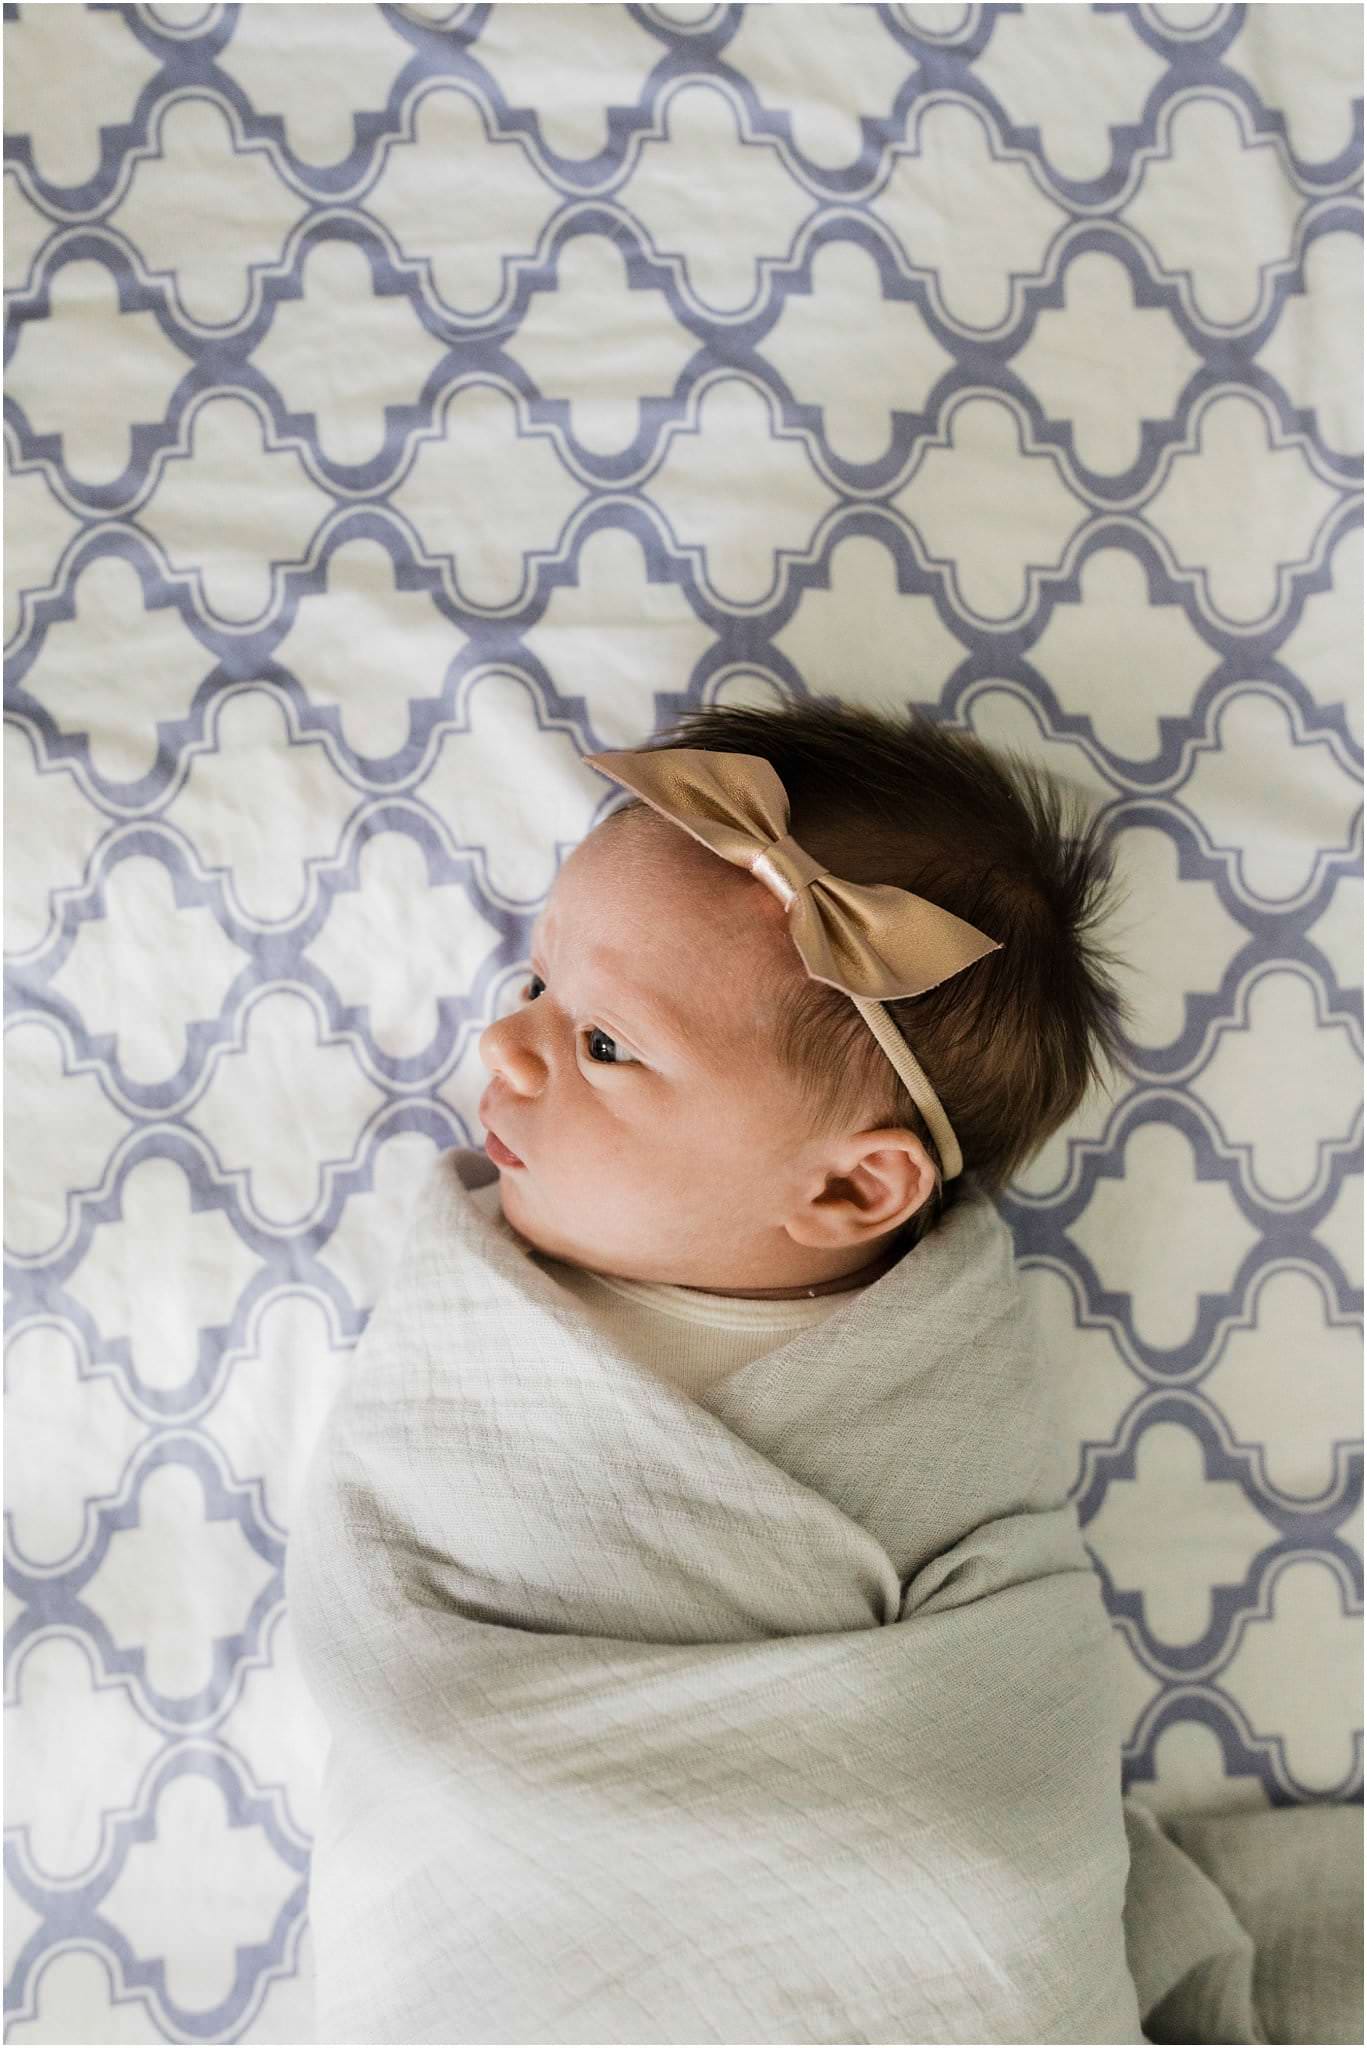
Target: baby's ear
x,y
900,1170
878,1183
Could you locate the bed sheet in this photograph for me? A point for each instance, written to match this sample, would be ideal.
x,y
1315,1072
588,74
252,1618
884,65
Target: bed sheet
x,y
403,401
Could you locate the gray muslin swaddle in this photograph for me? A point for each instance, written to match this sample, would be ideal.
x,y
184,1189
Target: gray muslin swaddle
x,y
779,1715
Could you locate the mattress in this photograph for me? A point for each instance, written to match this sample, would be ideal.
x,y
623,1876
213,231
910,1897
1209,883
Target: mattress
x,y
403,402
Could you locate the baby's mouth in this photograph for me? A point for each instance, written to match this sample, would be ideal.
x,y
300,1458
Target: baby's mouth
x,y
499,1152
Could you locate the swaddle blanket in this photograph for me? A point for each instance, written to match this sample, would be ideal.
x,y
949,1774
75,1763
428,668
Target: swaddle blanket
x,y
780,1715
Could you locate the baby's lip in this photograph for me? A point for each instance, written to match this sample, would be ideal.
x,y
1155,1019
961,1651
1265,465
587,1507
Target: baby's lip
x,y
507,1148
501,1139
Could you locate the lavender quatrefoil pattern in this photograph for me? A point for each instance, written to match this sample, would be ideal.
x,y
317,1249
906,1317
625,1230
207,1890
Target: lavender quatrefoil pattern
x,y
403,401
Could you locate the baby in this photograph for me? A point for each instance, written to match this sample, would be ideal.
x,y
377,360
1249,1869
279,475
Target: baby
x,y
678,1101
708,1645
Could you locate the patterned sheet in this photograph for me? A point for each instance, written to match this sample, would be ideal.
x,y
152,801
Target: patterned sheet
x,y
403,401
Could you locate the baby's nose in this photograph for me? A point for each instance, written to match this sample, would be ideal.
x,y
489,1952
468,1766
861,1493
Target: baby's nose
x,y
490,1046
503,1053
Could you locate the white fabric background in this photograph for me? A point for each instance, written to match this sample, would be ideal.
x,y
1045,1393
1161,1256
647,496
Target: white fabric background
x,y
404,401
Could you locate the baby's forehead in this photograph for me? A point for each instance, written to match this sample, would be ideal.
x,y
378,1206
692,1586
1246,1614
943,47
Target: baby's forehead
x,y
650,875
697,930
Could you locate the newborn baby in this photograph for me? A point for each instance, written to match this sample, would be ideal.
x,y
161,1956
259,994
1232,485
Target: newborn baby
x,y
678,1101
687,1571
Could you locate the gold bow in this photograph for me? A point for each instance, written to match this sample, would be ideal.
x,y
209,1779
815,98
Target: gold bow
x,y
872,941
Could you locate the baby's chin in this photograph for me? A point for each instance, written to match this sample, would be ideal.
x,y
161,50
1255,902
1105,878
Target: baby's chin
x,y
545,1239
541,1237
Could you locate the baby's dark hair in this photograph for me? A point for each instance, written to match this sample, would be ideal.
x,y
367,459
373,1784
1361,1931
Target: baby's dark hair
x,y
1011,1044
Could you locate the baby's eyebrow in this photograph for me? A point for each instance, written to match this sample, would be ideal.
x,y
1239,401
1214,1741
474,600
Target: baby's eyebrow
x,y
656,1018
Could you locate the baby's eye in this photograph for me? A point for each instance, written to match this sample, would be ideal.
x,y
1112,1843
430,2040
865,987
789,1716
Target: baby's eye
x,y
592,1037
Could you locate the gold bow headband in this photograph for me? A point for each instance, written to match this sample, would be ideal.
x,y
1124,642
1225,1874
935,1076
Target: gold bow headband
x,y
870,940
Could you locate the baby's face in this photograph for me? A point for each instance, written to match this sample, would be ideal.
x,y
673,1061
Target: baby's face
x,y
636,1080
